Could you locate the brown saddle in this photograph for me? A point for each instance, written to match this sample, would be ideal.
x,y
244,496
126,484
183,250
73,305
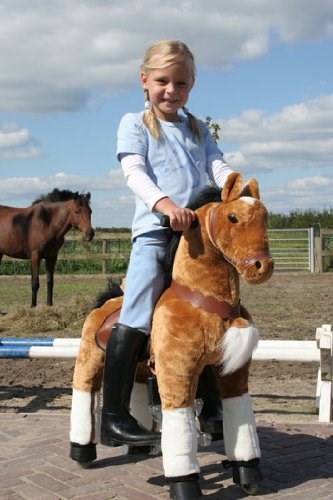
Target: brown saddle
x,y
103,333
144,369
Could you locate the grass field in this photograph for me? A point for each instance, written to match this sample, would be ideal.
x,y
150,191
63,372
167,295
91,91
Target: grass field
x,y
288,306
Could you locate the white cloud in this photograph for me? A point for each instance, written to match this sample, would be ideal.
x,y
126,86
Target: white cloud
x,y
306,119
17,143
60,56
308,183
298,135
295,195
56,55
28,188
116,211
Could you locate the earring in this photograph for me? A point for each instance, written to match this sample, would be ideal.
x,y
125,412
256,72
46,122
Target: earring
x,y
147,105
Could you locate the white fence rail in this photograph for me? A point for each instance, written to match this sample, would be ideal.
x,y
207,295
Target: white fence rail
x,y
319,350
292,249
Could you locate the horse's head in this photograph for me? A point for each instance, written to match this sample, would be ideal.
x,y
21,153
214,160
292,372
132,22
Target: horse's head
x,y
237,227
81,215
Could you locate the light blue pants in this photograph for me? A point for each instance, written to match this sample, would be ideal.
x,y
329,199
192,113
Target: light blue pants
x,y
144,279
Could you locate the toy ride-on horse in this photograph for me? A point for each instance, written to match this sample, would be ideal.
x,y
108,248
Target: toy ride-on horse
x,y
197,322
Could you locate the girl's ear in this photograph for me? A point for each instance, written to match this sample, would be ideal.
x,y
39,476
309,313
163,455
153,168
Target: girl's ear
x,y
143,80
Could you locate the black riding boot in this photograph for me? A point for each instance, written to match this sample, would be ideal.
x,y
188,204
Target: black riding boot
x,y
125,347
211,416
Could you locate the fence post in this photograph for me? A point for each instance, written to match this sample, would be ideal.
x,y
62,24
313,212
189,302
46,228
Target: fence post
x,y
324,337
318,254
311,250
104,261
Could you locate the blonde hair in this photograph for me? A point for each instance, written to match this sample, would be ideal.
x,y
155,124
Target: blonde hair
x,y
161,55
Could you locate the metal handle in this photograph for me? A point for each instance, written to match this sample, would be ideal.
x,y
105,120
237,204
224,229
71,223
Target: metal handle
x,y
165,222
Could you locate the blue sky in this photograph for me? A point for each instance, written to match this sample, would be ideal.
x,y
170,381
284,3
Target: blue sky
x,y
69,71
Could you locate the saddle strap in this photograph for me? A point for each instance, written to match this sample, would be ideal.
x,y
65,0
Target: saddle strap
x,y
104,331
207,303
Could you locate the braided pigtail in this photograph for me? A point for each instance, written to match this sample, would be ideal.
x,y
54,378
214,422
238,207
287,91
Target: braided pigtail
x,y
149,118
194,125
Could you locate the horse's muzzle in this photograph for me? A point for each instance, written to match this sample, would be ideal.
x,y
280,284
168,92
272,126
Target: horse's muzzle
x,y
88,235
259,271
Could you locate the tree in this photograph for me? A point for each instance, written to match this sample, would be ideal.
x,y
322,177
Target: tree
x,y
214,128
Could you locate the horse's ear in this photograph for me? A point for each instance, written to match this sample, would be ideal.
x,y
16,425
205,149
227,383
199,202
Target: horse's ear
x,y
88,196
232,188
251,189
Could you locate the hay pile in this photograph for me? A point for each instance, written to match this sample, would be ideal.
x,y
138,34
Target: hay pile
x,y
65,320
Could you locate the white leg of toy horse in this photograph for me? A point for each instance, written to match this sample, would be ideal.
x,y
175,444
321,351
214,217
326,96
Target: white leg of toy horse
x,y
179,442
139,405
239,429
85,417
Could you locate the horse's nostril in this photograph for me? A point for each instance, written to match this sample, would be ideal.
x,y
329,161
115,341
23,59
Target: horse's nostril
x,y
258,264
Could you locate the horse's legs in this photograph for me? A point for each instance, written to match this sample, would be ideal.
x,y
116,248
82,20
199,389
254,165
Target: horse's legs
x,y
179,440
239,429
85,410
50,263
179,433
34,263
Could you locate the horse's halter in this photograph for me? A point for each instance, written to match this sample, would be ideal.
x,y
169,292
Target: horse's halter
x,y
239,264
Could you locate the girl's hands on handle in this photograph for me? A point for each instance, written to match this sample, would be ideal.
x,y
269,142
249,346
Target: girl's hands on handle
x,y
180,218
165,222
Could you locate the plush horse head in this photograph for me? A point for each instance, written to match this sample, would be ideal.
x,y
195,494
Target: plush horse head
x,y
230,241
237,228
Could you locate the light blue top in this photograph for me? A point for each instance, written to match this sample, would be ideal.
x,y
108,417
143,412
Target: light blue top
x,y
176,163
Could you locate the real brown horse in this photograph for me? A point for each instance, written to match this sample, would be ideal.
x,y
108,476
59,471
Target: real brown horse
x,y
38,232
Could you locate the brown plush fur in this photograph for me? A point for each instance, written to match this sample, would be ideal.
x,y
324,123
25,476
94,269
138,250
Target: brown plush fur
x,y
88,371
89,365
184,339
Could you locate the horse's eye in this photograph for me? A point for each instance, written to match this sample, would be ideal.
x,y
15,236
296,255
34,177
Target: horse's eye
x,y
233,218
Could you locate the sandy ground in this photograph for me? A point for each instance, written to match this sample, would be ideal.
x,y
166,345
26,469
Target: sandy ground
x,y
289,306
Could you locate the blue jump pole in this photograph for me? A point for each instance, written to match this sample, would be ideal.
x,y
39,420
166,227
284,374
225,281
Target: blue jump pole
x,y
38,347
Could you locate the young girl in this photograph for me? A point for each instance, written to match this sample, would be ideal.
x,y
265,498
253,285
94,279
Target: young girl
x,y
167,158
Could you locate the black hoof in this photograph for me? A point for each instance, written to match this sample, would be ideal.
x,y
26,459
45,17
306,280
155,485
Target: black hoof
x,y
185,487
84,454
247,474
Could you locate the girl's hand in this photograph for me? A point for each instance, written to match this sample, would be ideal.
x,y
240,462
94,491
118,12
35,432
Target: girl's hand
x,y
180,218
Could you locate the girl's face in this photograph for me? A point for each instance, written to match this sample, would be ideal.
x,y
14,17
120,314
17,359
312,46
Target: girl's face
x,y
168,89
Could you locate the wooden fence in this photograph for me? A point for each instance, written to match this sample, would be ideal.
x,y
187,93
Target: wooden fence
x,y
292,249
108,253
324,251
